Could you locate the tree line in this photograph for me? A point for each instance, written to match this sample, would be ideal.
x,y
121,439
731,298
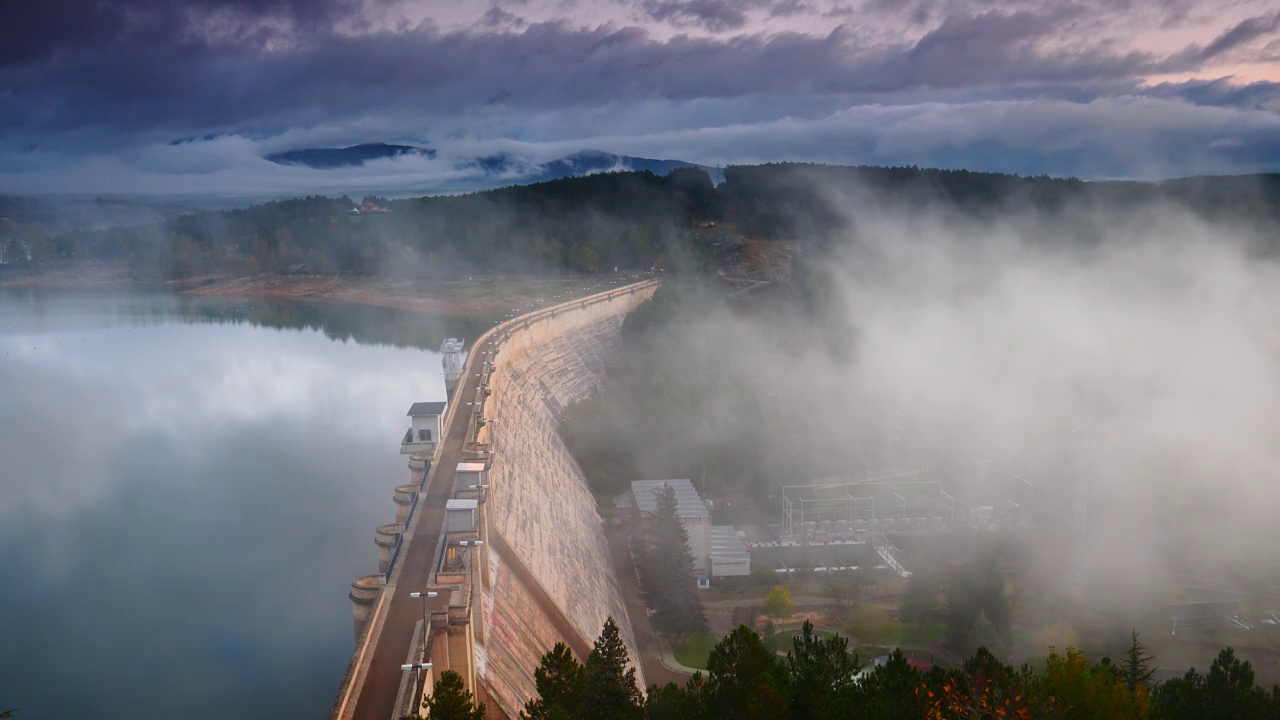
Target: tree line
x,y
587,224
819,679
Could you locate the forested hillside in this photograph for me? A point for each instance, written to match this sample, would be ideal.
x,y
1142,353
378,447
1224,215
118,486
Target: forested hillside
x,y
588,224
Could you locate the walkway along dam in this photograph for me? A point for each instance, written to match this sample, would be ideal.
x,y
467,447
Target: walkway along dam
x,y
496,532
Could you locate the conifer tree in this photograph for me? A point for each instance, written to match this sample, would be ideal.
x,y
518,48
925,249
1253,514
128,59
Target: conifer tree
x,y
666,570
559,682
1136,667
920,601
821,671
983,635
745,681
451,700
609,685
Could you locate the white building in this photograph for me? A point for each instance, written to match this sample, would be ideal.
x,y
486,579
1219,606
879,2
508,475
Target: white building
x,y
718,551
730,556
692,510
468,479
426,425
460,515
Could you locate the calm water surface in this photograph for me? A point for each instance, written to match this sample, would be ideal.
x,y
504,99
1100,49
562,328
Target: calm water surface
x,y
186,489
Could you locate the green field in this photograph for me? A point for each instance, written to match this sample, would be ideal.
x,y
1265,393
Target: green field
x,y
694,651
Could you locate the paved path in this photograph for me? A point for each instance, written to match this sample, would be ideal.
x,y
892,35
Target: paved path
x,y
377,697
657,671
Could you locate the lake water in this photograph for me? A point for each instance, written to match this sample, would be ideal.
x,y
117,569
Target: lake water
x,y
187,488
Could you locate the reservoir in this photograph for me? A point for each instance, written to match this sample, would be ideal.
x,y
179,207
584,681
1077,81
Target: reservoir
x,y
187,488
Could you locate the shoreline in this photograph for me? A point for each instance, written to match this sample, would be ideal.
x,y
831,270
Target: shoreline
x,y
477,295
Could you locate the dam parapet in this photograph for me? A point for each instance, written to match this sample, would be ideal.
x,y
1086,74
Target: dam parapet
x,y
518,560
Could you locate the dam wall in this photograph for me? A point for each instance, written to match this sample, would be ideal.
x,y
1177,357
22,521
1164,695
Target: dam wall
x,y
542,519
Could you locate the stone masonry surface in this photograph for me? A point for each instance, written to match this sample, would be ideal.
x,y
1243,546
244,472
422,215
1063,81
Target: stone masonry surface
x,y
541,505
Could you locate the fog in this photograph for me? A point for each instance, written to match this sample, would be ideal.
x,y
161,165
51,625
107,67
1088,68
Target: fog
x,y
1125,359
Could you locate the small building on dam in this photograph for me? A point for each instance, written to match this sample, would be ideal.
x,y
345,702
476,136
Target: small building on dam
x,y
426,425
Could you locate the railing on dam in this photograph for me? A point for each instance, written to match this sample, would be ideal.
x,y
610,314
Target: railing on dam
x,y
358,672
503,331
408,522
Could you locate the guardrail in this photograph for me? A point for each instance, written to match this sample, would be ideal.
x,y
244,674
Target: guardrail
x,y
353,667
408,521
523,321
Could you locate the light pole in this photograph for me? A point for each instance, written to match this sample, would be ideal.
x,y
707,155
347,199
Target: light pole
x,y
425,622
419,667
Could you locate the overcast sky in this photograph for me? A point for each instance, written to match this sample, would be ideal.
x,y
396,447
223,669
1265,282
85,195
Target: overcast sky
x,y
102,96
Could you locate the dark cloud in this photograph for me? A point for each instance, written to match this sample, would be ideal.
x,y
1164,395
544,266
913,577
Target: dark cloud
x,y
35,31
1221,92
1244,32
188,88
496,17
712,15
122,77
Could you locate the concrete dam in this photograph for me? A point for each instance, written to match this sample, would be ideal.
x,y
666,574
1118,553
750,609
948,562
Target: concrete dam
x,y
498,551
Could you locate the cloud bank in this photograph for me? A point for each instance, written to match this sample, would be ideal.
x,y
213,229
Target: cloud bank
x,y
91,99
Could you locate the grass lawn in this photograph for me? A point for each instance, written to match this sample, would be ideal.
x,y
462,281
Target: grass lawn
x,y
694,651
781,641
913,634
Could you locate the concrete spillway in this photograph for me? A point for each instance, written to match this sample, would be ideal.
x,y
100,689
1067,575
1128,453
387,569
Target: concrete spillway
x,y
541,507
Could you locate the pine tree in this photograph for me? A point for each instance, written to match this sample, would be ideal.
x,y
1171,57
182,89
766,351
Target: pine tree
x,y
746,681
609,686
672,702
983,635
1136,668
920,601
977,588
559,682
820,673
666,570
451,700
892,691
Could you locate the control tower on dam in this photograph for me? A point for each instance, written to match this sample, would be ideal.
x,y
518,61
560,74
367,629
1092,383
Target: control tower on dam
x,y
498,551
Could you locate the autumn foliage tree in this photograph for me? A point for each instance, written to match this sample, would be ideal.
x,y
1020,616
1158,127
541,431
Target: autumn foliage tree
x,y
818,679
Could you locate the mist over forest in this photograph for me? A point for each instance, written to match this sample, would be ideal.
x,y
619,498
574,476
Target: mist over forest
x,y
1098,359
587,224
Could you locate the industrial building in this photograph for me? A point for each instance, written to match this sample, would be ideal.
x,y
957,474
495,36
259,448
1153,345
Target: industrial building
x,y
717,550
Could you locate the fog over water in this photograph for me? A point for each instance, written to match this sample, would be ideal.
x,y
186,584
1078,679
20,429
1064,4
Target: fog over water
x,y
183,506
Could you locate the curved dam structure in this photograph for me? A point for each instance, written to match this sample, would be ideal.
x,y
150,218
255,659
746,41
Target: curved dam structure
x,y
498,551
542,515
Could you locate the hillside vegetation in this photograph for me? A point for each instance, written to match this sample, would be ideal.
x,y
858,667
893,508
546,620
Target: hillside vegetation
x,y
630,221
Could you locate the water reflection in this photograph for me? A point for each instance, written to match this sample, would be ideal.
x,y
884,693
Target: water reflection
x,y
182,503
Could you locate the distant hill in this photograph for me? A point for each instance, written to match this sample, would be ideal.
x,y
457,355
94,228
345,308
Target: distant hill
x,y
353,156
587,162
497,170
600,220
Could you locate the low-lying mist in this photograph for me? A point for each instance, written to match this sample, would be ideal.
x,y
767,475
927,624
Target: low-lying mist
x,y
1116,371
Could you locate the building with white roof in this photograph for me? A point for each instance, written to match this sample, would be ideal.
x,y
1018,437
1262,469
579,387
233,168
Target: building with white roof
x,y
716,551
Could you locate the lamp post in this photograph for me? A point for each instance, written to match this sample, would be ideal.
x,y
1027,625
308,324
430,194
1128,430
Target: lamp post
x,y
419,667
425,622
